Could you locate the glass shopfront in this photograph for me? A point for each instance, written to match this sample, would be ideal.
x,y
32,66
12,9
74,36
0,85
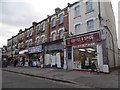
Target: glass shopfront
x,y
35,56
36,59
83,57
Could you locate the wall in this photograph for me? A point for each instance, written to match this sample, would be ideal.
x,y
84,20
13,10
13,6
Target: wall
x,y
109,21
59,26
83,18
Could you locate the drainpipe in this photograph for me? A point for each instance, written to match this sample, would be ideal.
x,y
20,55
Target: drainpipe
x,y
106,27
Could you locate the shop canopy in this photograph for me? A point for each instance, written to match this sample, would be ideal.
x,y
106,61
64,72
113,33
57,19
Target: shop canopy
x,y
7,54
23,51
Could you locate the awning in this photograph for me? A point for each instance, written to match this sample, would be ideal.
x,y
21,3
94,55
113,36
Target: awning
x,y
7,54
23,51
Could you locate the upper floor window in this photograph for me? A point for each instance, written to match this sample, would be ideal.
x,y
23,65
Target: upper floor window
x,y
27,44
77,11
77,29
43,27
38,28
37,41
89,6
43,39
61,34
61,18
54,22
30,42
31,32
19,45
90,25
54,36
22,45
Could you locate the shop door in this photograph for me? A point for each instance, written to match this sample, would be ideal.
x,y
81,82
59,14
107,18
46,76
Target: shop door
x,y
47,59
58,60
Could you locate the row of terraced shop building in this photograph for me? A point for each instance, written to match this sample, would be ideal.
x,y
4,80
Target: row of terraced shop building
x,y
71,38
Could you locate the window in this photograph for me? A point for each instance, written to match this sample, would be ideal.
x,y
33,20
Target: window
x,y
43,27
19,45
22,45
30,43
31,31
43,39
61,33
90,25
26,43
61,18
54,36
37,41
54,22
38,28
77,29
77,11
89,6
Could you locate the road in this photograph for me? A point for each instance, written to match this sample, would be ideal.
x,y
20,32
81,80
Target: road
x,y
14,80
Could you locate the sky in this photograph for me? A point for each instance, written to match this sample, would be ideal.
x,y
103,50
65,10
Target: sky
x,y
19,14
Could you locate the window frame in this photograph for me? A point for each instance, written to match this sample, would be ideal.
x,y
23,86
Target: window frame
x,y
31,32
43,26
54,22
42,39
61,18
53,38
76,31
59,33
38,28
30,42
89,6
89,26
77,11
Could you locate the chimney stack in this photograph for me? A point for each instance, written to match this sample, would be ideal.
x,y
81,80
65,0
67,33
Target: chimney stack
x,y
57,10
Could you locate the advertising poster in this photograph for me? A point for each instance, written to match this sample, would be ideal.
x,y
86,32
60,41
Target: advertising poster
x,y
77,64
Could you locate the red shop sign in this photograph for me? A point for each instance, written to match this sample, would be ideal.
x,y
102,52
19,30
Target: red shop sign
x,y
83,39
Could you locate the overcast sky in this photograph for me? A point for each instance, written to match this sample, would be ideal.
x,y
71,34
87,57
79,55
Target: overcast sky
x,y
19,14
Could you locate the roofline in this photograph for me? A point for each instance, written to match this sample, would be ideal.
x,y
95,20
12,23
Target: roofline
x,y
59,12
70,5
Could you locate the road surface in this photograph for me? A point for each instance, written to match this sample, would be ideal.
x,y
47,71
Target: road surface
x,y
14,80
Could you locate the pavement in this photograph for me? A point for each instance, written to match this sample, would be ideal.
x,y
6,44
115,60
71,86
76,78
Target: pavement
x,y
81,79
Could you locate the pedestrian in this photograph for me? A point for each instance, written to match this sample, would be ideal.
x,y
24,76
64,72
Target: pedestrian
x,y
62,59
93,66
30,63
23,62
15,62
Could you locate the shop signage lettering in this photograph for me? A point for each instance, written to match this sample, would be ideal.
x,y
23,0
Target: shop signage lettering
x,y
35,49
84,45
83,39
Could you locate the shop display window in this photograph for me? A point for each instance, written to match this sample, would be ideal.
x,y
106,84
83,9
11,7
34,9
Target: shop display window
x,y
83,57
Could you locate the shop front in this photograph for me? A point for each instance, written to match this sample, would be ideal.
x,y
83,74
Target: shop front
x,y
23,58
84,56
36,56
7,56
54,54
83,50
